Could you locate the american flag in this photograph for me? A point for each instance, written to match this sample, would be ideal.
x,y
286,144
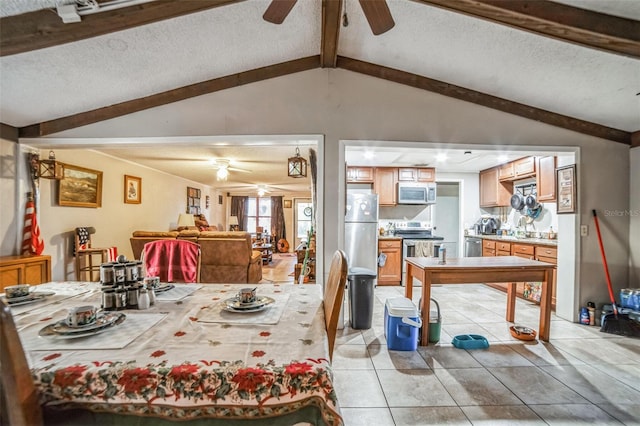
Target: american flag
x,y
31,241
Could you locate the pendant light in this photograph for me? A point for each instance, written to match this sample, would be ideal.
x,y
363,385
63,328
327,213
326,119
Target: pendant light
x,y
297,166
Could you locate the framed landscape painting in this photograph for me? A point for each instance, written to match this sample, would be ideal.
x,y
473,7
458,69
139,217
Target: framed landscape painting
x,y
80,187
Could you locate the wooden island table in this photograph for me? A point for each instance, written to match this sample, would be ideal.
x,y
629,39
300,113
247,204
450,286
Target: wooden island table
x,y
468,270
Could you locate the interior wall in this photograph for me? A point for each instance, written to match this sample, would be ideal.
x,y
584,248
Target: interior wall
x,y
345,105
12,188
164,197
634,218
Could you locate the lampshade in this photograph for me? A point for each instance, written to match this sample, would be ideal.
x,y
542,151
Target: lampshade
x,y
233,220
186,219
297,166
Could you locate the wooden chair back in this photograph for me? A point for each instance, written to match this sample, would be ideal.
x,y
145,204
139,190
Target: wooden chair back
x,y
177,261
333,296
20,405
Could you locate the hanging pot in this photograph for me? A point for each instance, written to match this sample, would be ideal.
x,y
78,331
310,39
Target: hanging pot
x,y
535,212
517,201
531,201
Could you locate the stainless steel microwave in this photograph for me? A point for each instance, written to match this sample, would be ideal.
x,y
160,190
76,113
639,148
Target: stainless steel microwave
x,y
416,193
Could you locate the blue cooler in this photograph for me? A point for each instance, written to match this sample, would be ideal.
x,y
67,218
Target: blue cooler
x,y
401,324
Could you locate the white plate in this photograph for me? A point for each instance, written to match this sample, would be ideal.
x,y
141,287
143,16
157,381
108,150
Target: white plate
x,y
260,301
61,330
246,311
34,296
163,288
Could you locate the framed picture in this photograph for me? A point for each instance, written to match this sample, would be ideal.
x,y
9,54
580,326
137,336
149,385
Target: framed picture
x,y
566,190
287,204
80,187
132,189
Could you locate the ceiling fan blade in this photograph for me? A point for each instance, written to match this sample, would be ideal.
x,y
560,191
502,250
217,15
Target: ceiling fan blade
x,y
378,14
236,169
278,11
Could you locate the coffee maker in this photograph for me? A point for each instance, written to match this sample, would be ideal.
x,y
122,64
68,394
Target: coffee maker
x,y
487,226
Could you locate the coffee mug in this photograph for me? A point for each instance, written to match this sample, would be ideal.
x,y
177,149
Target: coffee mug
x,y
81,316
247,295
19,290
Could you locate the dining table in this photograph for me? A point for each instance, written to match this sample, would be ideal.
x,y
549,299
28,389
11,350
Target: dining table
x,y
472,270
190,357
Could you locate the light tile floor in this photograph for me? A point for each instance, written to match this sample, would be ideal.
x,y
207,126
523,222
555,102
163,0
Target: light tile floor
x,y
581,376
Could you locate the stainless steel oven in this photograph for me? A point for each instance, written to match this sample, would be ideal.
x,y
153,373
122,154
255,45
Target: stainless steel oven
x,y
413,233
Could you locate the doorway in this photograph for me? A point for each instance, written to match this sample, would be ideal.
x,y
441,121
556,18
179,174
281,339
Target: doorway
x,y
447,217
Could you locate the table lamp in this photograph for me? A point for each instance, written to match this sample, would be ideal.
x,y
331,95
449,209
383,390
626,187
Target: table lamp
x,y
185,221
233,223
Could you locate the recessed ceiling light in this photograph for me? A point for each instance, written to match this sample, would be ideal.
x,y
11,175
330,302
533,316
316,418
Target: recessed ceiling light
x,y
502,157
441,157
369,155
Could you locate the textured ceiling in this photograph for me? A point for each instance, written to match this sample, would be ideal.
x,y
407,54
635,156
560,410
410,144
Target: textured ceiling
x,y
564,78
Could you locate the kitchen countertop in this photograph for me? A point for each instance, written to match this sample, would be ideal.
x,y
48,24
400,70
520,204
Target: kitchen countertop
x,y
538,241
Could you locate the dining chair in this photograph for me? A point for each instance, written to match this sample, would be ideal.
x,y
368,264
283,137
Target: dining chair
x,y
20,405
89,258
174,261
333,296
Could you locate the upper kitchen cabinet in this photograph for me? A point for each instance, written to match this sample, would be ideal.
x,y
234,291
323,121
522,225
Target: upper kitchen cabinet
x,y
413,174
384,185
546,178
524,167
493,192
360,174
506,172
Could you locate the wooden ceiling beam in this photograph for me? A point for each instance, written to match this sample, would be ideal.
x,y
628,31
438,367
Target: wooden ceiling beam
x,y
175,95
635,139
331,17
567,23
9,133
479,98
44,28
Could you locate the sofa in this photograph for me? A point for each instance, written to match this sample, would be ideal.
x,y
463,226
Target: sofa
x,y
226,257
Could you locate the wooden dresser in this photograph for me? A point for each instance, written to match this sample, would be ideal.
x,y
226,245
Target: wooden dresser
x,y
24,270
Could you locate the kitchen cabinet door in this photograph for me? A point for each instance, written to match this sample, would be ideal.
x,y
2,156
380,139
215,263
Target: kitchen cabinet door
x,y
524,167
505,172
391,272
546,178
426,174
407,174
384,185
494,193
360,174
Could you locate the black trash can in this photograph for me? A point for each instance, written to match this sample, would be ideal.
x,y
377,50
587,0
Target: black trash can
x,y
361,283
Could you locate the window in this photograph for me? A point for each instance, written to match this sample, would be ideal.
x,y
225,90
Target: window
x,y
259,214
304,216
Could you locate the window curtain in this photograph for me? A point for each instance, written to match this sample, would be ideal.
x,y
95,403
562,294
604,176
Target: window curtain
x,y
278,229
239,209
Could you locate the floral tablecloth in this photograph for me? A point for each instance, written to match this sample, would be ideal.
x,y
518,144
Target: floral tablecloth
x,y
182,368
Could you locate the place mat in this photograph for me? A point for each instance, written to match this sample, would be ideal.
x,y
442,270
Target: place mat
x,y
62,290
118,337
178,292
269,316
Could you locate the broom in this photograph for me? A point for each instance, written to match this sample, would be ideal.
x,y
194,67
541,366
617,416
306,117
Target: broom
x,y
615,323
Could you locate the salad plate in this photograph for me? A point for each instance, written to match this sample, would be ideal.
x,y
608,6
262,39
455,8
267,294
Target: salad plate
x,y
163,287
62,330
34,296
233,304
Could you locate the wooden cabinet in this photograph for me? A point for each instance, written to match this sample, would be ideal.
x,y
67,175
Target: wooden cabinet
x,y
24,270
488,248
524,167
493,192
384,185
391,272
413,174
360,174
523,250
505,172
546,178
503,249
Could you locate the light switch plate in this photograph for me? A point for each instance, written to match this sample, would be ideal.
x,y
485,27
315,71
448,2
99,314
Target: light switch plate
x,y
584,230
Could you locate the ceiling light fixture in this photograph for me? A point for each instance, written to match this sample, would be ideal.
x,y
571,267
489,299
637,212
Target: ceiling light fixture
x,y
441,157
297,166
261,191
223,170
72,12
50,168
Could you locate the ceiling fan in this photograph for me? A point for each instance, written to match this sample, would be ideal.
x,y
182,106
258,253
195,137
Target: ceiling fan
x,y
376,11
223,167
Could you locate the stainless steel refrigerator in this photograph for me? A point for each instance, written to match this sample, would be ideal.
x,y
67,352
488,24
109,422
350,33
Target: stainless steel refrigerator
x,y
361,231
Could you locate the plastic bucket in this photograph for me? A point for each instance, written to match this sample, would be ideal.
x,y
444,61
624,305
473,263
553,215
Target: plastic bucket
x,y
435,324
